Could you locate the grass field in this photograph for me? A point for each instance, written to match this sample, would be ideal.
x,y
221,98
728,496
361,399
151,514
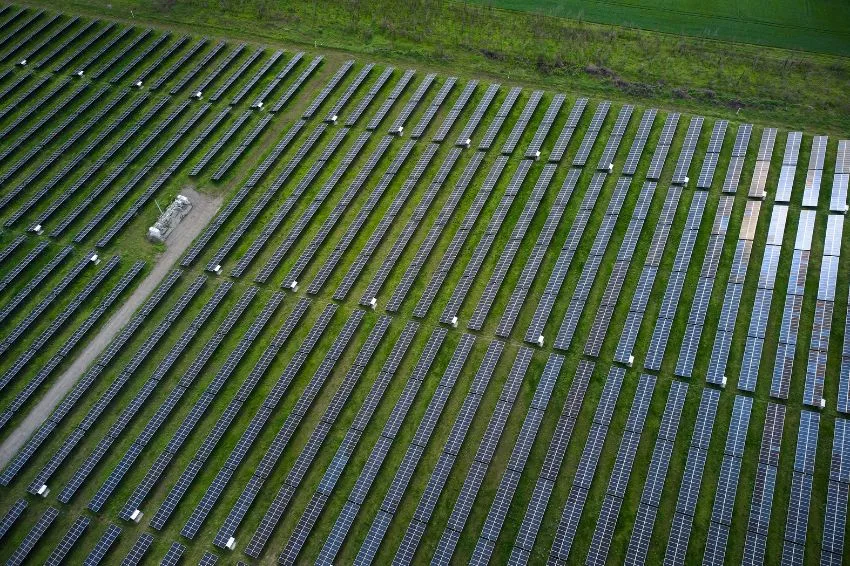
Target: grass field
x,y
811,26
305,175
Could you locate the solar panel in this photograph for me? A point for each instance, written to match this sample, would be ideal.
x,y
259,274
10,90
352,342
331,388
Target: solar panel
x,y
12,516
592,133
639,142
138,551
172,557
498,121
101,548
284,435
533,151
478,114
28,543
412,103
379,452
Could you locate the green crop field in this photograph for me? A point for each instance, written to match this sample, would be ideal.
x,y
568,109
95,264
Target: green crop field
x,y
444,294
818,26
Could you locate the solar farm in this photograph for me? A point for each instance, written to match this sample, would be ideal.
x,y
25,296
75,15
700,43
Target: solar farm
x,y
426,318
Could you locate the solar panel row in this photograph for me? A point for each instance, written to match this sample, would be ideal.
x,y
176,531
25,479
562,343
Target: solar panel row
x,y
676,280
69,540
418,215
33,125
35,282
271,191
103,158
388,103
97,409
312,209
397,126
424,249
516,464
506,257
454,443
79,333
299,82
832,546
270,459
535,258
139,56
244,144
711,263
227,211
370,95
727,482
453,250
689,145
200,407
643,290
607,522
379,452
762,166
499,119
824,307
650,499
133,210
639,142
533,150
521,123
592,133
586,469
483,456
329,87
814,175
84,383
271,225
533,518
154,65
784,364
677,544
393,210
568,130
264,412
40,145
435,104
761,504
415,450
293,480
105,183
178,490
32,316
606,162
222,140
789,167
95,120
797,519
71,54
534,332
465,137
361,217
162,413
12,515
479,254
256,77
131,409
590,270
32,537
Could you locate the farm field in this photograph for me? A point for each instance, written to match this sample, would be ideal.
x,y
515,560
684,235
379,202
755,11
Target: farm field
x,y
412,317
811,26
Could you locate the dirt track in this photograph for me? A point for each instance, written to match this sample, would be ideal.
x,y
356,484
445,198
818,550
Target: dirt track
x,y
204,208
